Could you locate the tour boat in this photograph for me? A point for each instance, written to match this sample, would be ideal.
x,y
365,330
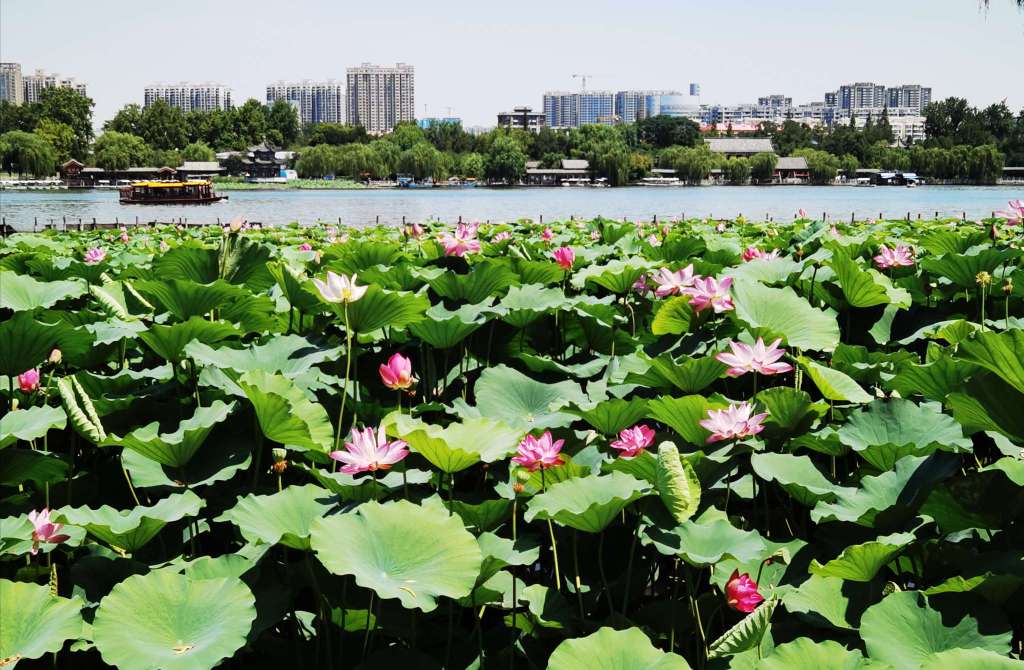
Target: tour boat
x,y
192,192
660,181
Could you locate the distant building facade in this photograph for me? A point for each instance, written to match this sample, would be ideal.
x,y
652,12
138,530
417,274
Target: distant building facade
x,y
314,101
522,118
12,86
632,106
40,80
380,97
190,97
869,95
432,121
563,109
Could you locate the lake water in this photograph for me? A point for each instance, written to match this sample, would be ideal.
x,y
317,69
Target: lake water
x,y
359,207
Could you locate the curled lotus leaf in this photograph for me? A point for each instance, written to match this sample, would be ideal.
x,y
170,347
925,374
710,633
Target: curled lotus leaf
x,y
34,622
130,530
587,503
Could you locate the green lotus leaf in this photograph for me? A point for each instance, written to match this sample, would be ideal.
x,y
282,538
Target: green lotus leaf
x,y
824,597
797,475
25,343
861,562
131,529
673,317
689,375
683,416
963,269
33,622
705,540
1002,353
807,654
945,241
538,272
500,553
782,313
904,631
832,383
22,293
618,276
643,466
114,330
934,380
525,304
773,271
284,412
174,449
610,649
291,355
112,299
30,424
587,503
186,299
484,516
188,261
400,550
610,417
169,341
284,517
790,412
353,258
676,483
887,430
443,329
79,409
975,659
378,308
167,620
483,281
209,466
296,287
458,445
746,634
865,288
353,488
904,486
19,466
507,395
989,403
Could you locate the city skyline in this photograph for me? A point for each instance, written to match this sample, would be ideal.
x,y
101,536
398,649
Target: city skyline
x,y
456,65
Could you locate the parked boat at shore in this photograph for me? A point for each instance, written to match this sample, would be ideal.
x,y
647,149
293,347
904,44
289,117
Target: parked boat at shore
x,y
196,192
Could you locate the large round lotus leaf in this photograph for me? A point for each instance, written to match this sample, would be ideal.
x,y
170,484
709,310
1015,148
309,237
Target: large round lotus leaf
x,y
33,622
861,562
285,413
379,308
1002,353
283,517
832,383
705,540
610,649
167,620
824,597
587,503
886,430
781,312
975,659
797,474
458,445
168,341
806,654
291,355
131,529
507,395
24,293
361,488
174,449
904,631
30,424
400,550
865,287
185,299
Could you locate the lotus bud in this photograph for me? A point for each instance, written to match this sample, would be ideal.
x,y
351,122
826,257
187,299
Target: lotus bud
x,y
1008,287
14,404
55,357
518,487
523,475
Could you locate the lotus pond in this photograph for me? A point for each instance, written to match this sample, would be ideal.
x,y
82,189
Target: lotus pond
x,y
693,444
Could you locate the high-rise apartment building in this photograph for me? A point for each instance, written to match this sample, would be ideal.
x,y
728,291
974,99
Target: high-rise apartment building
x,y
911,96
379,97
315,101
563,109
868,95
190,97
861,95
35,83
522,118
12,88
631,106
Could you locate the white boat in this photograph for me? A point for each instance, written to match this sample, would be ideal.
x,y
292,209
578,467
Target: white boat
x,y
659,181
863,181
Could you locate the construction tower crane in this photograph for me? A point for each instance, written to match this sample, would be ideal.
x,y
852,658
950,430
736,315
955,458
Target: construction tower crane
x,y
583,78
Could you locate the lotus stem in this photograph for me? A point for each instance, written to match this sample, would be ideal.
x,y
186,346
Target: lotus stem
x,y
344,388
629,567
576,568
604,577
551,532
128,479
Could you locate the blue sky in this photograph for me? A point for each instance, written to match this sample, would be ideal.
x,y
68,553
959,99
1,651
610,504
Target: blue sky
x,y
481,57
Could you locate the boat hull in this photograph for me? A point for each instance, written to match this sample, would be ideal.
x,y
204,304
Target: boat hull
x,y
175,201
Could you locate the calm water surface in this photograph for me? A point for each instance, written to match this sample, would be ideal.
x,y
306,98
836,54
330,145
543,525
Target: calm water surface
x,y
360,207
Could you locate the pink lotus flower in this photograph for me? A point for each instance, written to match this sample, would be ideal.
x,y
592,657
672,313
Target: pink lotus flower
x,y
539,453
1016,212
641,286
339,288
462,242
305,246
44,530
834,232
653,240
414,231
547,234
501,237
720,227
753,253
633,440
734,422
707,292
236,224
565,257
95,255
397,373
754,358
898,256
665,230
802,213
672,283
741,593
28,381
164,247
595,235
369,452
124,237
